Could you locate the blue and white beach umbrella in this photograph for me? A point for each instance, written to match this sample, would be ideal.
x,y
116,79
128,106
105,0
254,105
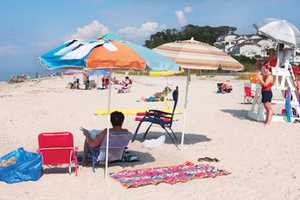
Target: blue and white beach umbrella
x,y
106,53
75,54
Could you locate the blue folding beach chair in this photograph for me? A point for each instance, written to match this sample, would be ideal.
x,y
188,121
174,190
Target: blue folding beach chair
x,y
118,142
161,118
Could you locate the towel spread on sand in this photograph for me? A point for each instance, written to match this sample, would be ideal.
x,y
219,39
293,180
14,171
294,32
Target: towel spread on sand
x,y
171,174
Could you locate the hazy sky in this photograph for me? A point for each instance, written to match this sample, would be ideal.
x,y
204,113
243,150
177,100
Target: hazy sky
x,y
31,27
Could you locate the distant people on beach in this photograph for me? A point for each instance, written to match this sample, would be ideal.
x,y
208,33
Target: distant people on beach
x,y
115,81
18,78
86,80
105,82
127,81
74,85
224,87
125,85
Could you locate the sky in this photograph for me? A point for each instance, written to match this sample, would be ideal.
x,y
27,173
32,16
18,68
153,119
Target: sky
x,y
30,28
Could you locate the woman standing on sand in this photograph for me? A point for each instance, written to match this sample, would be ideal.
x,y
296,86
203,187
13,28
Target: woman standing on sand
x,y
265,78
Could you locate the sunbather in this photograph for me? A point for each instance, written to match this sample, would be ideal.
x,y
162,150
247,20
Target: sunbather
x,y
158,96
73,85
94,140
224,87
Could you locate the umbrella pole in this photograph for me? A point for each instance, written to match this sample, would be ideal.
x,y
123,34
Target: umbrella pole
x,y
108,124
277,65
188,77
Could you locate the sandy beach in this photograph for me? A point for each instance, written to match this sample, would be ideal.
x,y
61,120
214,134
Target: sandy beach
x,y
264,161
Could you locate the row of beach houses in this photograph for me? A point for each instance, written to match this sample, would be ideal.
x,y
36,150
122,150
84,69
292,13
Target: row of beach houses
x,y
248,45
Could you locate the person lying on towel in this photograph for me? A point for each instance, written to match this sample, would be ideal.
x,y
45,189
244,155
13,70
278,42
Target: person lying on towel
x,y
158,96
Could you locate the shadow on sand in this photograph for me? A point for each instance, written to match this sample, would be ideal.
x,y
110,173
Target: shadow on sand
x,y
240,114
57,170
143,158
189,138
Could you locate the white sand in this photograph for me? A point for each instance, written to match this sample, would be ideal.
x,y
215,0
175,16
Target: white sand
x,y
264,161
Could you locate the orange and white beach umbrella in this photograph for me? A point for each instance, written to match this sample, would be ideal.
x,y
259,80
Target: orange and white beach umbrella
x,y
124,58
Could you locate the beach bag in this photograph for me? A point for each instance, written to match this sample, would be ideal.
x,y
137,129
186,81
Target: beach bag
x,y
20,165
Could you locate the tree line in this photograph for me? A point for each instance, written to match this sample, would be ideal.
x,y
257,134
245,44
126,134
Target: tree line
x,y
207,34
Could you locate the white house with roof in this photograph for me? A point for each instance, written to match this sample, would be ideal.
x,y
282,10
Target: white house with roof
x,y
246,45
248,49
266,44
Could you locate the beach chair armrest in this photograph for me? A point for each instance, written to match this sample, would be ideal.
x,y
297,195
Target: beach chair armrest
x,y
159,112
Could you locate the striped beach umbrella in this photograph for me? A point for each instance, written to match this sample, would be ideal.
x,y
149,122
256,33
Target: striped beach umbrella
x,y
108,54
192,54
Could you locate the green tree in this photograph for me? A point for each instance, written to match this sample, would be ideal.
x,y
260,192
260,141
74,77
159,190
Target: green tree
x,y
205,34
249,63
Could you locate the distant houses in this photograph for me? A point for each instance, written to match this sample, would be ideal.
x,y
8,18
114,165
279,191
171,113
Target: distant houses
x,y
248,45
297,57
245,45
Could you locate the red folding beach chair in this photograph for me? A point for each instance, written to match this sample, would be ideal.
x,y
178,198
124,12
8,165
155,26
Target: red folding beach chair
x,y
249,93
247,96
58,149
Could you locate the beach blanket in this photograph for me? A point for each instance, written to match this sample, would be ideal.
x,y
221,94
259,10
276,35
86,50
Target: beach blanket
x,y
170,175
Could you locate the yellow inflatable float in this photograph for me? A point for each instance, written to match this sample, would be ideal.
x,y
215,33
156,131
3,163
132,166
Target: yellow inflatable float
x,y
164,73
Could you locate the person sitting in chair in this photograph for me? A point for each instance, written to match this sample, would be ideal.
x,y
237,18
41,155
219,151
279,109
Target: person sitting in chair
x,y
94,140
105,82
76,83
73,85
224,87
125,85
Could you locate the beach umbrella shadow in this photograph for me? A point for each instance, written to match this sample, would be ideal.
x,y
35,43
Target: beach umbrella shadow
x,y
142,156
190,138
56,170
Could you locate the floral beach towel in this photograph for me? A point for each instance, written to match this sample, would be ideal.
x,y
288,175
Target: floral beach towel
x,y
171,174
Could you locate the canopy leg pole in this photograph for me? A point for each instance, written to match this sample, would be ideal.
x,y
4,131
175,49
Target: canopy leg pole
x,y
98,81
277,65
108,123
188,78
